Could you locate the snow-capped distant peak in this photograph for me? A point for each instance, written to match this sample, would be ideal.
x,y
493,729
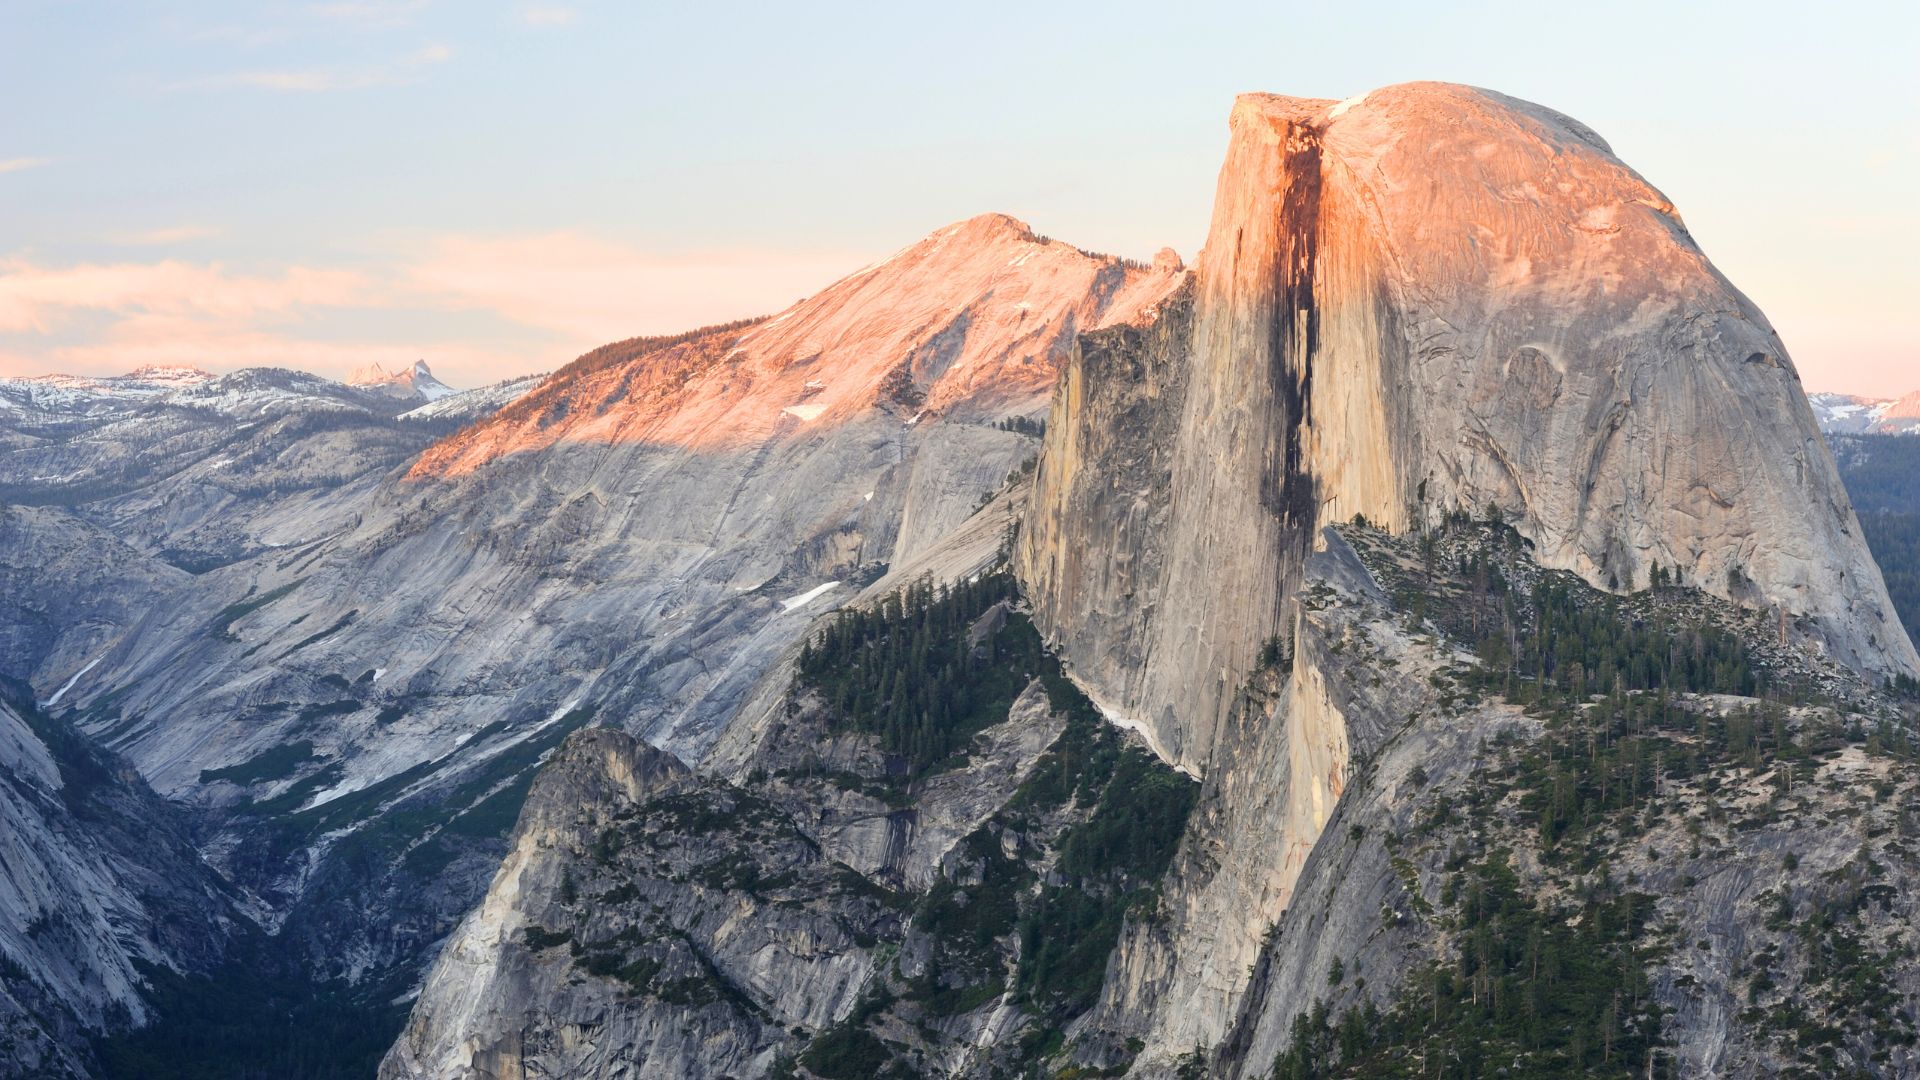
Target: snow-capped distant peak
x,y
1852,414
416,381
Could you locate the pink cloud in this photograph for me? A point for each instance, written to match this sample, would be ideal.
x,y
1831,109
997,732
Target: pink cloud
x,y
36,299
569,292
592,291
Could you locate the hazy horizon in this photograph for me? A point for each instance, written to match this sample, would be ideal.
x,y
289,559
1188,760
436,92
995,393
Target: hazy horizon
x,y
497,187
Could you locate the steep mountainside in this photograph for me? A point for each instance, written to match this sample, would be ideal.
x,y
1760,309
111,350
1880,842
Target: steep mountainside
x,y
919,867
970,324
101,889
1883,477
354,698
1698,872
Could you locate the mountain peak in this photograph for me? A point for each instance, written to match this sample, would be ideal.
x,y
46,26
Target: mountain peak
x,y
970,322
411,382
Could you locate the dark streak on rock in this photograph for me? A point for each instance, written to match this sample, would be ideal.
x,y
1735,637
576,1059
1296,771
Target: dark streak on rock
x,y
1288,490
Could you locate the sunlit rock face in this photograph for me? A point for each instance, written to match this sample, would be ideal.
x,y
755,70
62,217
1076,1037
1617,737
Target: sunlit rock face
x,y
971,322
1428,298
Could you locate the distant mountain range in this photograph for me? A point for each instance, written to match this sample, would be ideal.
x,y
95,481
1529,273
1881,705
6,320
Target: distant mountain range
x,y
1852,414
83,395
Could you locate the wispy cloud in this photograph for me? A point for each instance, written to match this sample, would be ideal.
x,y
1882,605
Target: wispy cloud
x,y
245,37
171,234
401,72
18,164
37,299
538,15
370,14
589,291
486,307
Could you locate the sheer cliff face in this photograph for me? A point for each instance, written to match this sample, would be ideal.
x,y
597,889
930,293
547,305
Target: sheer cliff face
x,y
1428,298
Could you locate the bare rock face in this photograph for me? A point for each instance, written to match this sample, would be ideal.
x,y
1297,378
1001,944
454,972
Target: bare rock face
x,y
828,903
506,994
101,890
1429,298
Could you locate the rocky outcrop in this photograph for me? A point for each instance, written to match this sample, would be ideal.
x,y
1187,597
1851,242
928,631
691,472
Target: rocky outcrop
x,y
1451,801
845,900
506,999
1292,737
1431,298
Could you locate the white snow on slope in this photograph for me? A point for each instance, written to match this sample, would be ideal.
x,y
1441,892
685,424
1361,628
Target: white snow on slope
x,y
817,590
62,692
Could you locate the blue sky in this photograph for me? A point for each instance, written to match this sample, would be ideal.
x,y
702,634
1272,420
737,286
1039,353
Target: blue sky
x,y
496,186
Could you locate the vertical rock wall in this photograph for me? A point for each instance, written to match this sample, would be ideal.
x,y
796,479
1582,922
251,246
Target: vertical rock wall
x,y
1426,299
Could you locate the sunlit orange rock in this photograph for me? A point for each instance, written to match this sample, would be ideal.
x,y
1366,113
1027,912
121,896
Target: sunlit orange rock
x,y
972,321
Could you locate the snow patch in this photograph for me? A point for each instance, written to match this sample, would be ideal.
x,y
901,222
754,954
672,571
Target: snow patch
x,y
1339,109
1138,727
805,412
62,692
797,601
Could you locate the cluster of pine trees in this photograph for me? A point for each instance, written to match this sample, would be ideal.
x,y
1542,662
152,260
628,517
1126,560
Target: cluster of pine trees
x,y
911,670
1578,644
1895,541
1021,425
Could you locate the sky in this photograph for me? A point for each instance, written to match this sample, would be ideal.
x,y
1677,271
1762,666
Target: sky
x,y
496,186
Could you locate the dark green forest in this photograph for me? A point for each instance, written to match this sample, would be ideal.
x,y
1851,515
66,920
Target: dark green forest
x,y
1882,474
910,671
